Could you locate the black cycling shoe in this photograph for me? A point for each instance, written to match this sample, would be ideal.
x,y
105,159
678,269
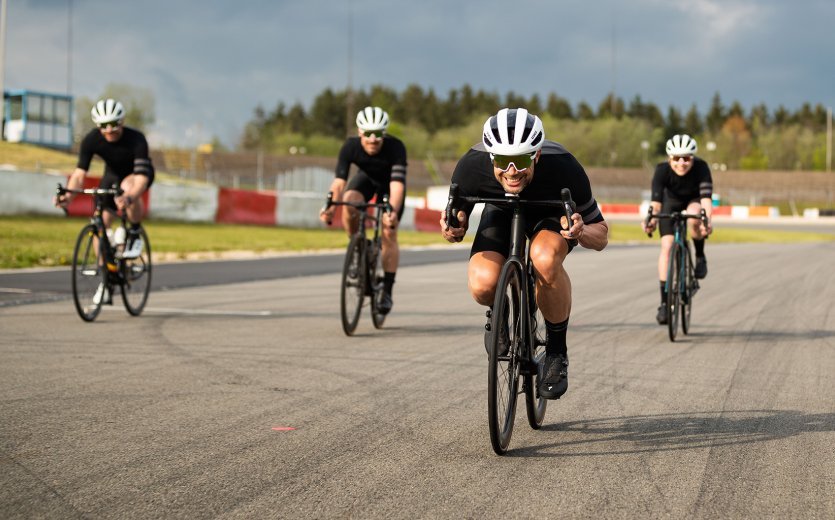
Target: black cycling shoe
x,y
661,317
385,303
555,381
701,267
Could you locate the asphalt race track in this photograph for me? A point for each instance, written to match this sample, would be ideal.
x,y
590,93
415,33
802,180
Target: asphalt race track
x,y
244,399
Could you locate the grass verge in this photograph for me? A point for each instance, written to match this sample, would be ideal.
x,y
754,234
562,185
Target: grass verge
x,y
36,241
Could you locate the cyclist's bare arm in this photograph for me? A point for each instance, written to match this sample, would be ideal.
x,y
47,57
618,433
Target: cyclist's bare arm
x,y
75,182
591,236
397,197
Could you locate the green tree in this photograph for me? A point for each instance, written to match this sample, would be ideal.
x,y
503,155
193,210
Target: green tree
x,y
716,115
693,121
559,107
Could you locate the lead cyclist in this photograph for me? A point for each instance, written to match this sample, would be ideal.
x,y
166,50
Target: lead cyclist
x,y
513,148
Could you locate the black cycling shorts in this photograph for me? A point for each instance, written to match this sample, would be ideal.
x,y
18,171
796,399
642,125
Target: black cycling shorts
x,y
494,228
109,179
364,184
671,205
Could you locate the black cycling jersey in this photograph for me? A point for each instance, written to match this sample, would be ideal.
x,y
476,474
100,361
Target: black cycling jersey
x,y
555,170
126,156
389,165
694,185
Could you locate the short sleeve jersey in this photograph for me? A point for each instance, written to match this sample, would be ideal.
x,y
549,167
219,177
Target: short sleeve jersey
x,y
389,165
126,156
556,169
695,184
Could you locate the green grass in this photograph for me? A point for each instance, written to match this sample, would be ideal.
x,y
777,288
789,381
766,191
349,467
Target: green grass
x,y
27,241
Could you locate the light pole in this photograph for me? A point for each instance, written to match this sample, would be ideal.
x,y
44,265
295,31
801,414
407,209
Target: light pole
x,y
645,148
2,68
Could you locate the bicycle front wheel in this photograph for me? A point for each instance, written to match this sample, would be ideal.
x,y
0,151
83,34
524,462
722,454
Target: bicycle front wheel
x,y
673,291
89,278
504,367
353,284
136,278
686,291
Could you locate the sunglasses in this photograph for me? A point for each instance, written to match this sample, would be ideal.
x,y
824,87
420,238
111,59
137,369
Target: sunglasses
x,y
685,158
111,124
373,133
520,162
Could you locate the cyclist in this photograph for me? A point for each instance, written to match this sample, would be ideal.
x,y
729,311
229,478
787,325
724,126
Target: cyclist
x,y
380,159
124,151
682,182
514,157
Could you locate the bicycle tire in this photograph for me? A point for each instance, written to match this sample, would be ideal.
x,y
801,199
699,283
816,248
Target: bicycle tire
x,y
87,274
136,278
376,278
352,290
673,291
686,291
534,404
504,371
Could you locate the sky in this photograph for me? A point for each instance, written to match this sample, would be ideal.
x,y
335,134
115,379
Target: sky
x,y
210,63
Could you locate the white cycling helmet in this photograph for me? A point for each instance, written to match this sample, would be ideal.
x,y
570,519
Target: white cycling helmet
x,y
513,131
372,118
107,111
681,144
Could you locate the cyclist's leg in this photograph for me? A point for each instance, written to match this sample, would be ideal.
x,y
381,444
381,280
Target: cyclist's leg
x,y
695,229
358,190
553,297
488,253
391,248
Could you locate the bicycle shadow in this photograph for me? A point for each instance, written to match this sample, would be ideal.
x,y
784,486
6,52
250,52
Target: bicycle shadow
x,y
674,432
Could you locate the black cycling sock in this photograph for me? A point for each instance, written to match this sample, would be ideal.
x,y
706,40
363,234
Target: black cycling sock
x,y
555,338
663,291
388,282
700,246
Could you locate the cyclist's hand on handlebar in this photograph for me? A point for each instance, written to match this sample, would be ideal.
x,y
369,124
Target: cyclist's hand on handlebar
x,y
649,225
390,219
326,214
576,230
454,234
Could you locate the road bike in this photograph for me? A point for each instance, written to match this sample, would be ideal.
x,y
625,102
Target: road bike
x,y
681,285
99,264
515,312
362,272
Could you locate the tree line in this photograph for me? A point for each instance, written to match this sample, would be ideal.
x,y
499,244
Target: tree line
x,y
614,133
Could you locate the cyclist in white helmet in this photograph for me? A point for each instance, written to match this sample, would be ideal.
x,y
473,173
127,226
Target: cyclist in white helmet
x,y
124,151
682,182
514,157
380,159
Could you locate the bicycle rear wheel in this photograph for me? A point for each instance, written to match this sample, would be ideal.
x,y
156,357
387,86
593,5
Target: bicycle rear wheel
x,y
353,284
686,291
136,278
504,370
673,291
376,277
89,279
535,404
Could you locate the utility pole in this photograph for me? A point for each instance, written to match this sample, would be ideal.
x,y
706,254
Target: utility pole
x,y
829,139
2,67
69,47
349,94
